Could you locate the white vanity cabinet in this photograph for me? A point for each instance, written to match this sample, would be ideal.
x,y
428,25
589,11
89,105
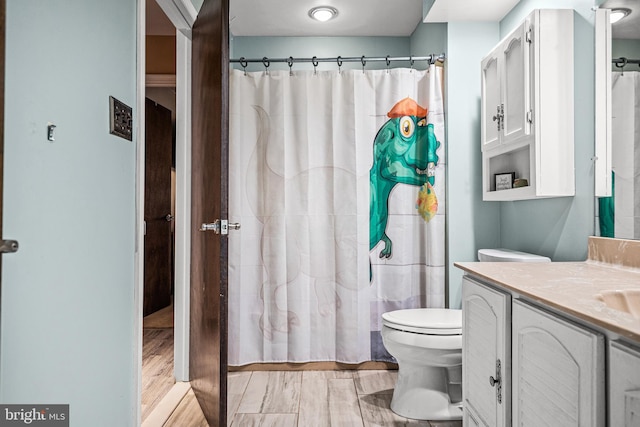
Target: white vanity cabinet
x,y
527,108
486,349
624,385
525,366
557,371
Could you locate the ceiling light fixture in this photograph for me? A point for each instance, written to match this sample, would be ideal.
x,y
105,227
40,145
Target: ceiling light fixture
x,y
618,14
323,13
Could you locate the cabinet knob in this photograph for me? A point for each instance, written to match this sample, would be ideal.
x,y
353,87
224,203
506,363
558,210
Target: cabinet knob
x,y
494,381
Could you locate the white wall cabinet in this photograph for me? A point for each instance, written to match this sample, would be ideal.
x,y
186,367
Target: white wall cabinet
x,y
624,385
557,371
525,366
486,351
506,108
527,108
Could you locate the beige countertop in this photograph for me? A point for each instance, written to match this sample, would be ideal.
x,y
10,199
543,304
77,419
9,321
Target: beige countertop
x,y
570,287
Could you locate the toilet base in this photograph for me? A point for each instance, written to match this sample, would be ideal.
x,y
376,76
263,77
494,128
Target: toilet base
x,y
419,411
419,395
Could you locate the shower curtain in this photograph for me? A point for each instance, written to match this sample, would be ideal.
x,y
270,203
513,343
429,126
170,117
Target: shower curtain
x,y
625,161
338,180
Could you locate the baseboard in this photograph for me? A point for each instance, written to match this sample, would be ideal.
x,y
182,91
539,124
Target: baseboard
x,y
314,366
167,405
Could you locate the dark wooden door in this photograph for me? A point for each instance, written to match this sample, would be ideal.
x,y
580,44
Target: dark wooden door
x,y
157,208
209,186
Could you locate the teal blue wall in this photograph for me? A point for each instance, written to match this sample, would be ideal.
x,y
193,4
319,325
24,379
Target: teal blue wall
x,y
627,48
197,4
67,314
322,47
471,223
559,227
428,39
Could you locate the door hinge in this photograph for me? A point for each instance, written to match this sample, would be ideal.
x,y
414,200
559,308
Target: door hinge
x,y
530,116
528,37
499,117
8,246
497,381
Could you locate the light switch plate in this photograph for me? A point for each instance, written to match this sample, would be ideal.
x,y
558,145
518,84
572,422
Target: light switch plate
x,y
120,119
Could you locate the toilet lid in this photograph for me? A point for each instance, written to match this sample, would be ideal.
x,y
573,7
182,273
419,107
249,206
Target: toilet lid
x,y
432,321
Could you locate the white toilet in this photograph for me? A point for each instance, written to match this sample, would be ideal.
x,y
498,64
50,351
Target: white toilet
x,y
427,344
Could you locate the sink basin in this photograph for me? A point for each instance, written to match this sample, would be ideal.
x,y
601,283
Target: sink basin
x,y
627,300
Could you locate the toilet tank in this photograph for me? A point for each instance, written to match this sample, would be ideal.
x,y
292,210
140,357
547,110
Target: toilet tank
x,y
508,255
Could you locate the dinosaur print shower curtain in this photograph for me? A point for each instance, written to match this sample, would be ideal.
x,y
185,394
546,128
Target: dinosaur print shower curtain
x,y
338,180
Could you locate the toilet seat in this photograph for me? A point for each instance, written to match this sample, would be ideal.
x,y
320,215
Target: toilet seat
x,y
426,321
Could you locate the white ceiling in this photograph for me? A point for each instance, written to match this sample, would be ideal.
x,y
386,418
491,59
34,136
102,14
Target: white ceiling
x,y
366,17
355,18
629,27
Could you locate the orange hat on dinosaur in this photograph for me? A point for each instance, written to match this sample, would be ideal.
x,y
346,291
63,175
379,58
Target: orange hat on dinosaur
x,y
407,107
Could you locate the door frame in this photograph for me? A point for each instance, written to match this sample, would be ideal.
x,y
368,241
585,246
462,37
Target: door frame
x,y
182,14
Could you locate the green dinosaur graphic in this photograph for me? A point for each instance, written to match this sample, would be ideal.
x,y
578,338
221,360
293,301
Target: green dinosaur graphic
x,y
404,152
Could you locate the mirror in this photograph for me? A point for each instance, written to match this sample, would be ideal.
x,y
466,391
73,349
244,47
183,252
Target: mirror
x,y
618,120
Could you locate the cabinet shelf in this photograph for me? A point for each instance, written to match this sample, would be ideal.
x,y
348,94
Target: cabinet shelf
x,y
522,193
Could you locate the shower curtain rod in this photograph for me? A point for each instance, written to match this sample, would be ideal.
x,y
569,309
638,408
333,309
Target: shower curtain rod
x,y
362,59
622,61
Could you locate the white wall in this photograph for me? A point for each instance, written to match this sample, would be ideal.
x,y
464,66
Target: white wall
x,y
67,314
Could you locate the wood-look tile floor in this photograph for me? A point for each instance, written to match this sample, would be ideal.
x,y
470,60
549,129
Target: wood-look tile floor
x,y
307,399
157,367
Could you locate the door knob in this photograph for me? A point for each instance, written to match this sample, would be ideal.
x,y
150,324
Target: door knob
x,y
8,246
169,217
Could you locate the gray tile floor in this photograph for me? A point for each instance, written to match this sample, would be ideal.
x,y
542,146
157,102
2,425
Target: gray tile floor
x,y
316,399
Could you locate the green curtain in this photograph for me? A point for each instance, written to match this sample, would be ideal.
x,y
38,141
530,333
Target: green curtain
x,y
606,207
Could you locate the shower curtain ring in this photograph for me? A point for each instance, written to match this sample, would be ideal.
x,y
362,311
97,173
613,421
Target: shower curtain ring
x,y
244,63
314,61
339,61
621,64
411,61
363,63
388,63
266,63
290,64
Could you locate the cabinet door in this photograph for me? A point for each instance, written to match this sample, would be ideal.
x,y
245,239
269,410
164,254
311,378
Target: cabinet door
x,y
557,372
491,103
486,340
515,85
624,385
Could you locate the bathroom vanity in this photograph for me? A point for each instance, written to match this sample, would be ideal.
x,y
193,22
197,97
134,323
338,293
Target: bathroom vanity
x,y
550,344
